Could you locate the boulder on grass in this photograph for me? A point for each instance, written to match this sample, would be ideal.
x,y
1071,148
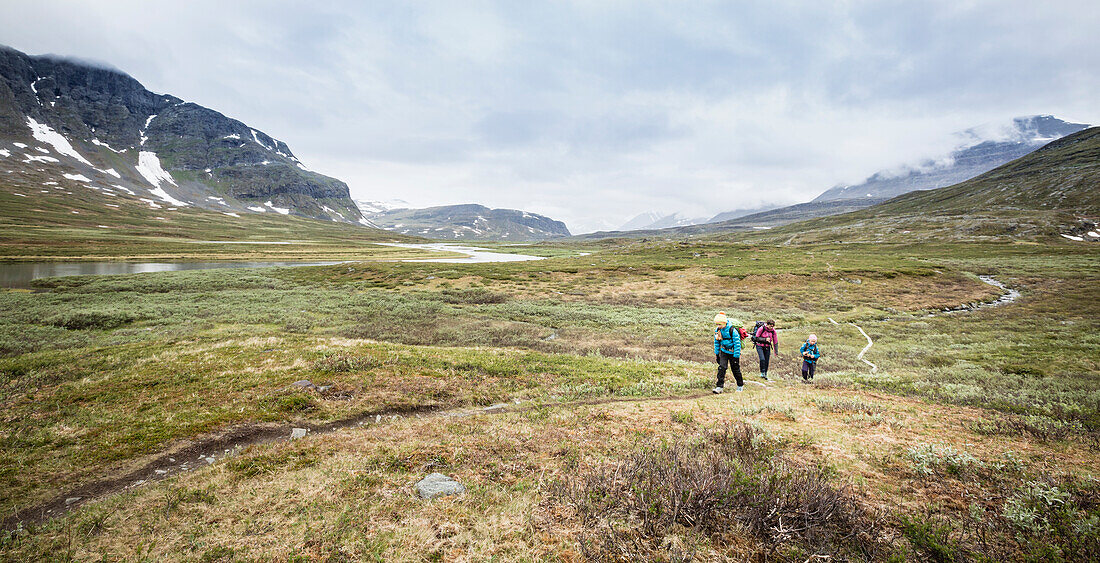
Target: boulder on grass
x,y
438,485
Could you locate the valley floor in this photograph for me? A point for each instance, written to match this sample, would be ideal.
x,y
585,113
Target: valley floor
x,y
977,435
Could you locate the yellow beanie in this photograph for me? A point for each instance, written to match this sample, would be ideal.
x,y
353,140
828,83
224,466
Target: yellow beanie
x,y
720,318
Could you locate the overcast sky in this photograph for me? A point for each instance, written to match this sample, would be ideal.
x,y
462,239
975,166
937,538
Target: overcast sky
x,y
592,112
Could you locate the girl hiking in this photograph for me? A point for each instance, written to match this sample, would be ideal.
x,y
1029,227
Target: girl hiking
x,y
765,338
727,350
810,354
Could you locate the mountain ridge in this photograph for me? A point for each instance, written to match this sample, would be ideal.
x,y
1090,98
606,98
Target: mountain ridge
x,y
469,221
67,119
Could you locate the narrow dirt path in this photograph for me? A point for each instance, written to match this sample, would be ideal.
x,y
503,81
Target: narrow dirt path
x,y
200,452
870,343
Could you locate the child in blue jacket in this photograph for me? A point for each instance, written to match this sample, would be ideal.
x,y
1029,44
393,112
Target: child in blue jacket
x,y
810,354
727,350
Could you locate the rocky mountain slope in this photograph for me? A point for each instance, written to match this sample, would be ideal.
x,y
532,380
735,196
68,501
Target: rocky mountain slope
x,y
469,222
77,126
983,150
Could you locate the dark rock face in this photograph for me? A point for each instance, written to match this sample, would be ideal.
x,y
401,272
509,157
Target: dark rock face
x,y
106,113
1027,134
470,222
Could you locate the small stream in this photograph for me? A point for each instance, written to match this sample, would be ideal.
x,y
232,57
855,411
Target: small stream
x,y
1008,296
474,255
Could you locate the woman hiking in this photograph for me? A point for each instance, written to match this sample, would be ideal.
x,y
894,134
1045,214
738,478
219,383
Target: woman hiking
x,y
727,350
766,339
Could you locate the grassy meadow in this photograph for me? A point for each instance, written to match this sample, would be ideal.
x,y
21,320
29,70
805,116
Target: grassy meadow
x,y
977,437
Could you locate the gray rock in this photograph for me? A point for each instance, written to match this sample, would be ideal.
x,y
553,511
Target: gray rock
x,y
438,485
71,500
324,388
298,433
304,384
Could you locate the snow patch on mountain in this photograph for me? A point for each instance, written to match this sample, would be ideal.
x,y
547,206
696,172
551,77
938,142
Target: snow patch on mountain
x,y
60,144
36,158
99,143
149,167
279,210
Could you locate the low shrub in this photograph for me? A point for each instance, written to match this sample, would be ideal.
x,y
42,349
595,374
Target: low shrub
x,y
846,405
342,362
712,485
683,417
1035,425
1023,370
931,459
931,538
282,457
1056,520
91,319
291,402
473,296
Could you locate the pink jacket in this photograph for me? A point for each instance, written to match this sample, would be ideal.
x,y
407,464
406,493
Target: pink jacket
x,y
770,334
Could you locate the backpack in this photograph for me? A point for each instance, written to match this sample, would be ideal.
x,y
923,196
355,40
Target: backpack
x,y
755,329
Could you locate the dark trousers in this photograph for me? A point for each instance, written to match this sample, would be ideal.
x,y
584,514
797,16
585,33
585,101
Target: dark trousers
x,y
808,369
725,359
765,354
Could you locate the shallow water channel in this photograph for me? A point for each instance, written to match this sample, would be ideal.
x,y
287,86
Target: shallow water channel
x,y
474,255
20,274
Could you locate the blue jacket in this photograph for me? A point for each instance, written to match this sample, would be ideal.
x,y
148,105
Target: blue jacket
x,y
812,349
730,342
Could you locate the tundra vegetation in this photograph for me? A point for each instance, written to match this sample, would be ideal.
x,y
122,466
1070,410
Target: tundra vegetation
x,y
976,438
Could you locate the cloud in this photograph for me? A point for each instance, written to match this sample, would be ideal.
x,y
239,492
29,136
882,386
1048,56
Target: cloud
x,y
594,112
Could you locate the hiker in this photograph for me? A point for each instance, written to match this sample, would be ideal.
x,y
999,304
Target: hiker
x,y
810,354
727,350
765,339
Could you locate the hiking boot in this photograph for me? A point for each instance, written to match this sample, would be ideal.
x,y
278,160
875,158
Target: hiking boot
x,y
764,376
716,390
740,388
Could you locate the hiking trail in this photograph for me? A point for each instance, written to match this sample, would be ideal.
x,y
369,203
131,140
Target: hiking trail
x,y
870,343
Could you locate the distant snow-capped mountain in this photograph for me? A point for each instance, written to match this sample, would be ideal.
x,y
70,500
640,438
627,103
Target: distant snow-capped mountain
x,y
981,150
654,220
464,222
374,206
